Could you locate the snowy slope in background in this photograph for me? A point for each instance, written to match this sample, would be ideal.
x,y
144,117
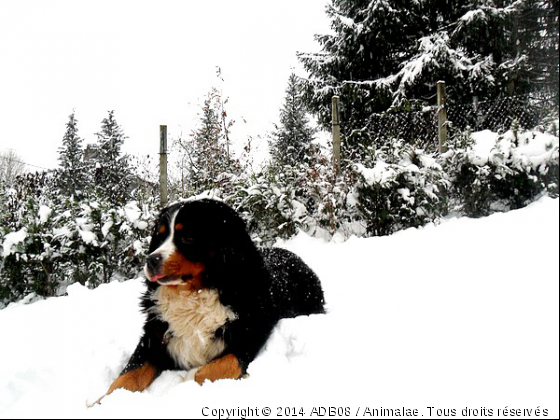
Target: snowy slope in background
x,y
464,314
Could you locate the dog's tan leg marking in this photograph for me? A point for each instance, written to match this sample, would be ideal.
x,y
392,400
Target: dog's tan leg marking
x,y
136,381
227,367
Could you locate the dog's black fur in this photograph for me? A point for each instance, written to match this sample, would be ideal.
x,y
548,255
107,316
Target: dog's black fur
x,y
259,286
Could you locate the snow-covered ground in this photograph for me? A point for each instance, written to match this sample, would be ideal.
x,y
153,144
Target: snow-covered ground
x,y
456,316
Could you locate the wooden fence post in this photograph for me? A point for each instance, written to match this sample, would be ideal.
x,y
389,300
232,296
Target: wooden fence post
x,y
163,165
442,117
336,134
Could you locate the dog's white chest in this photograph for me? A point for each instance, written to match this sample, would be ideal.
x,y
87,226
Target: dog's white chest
x,y
193,318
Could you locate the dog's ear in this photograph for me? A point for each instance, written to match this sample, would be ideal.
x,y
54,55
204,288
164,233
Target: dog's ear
x,y
237,257
239,253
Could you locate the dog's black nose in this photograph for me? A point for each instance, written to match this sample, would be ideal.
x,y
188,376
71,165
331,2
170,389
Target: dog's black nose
x,y
154,262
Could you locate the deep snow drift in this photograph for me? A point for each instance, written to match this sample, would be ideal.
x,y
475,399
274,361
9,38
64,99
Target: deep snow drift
x,y
464,314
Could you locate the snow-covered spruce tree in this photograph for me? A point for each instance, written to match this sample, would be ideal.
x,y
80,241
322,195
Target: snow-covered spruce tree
x,y
537,27
388,54
113,175
205,157
291,141
72,176
365,44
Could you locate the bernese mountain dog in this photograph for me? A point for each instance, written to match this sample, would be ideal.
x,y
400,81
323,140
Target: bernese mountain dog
x,y
213,298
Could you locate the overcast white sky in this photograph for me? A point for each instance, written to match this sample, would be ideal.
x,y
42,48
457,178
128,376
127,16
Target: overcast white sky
x,y
151,61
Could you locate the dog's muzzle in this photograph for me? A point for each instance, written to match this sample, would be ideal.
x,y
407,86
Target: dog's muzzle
x,y
154,264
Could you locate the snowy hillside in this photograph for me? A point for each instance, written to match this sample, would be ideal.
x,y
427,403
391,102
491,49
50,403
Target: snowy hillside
x,y
460,315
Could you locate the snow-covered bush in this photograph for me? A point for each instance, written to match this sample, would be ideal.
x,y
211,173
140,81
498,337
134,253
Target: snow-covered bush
x,y
498,172
268,202
105,240
400,187
51,238
60,243
85,222
23,216
281,200
332,203
397,186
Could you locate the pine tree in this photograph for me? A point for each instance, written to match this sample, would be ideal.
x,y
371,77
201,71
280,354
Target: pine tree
x,y
537,29
72,176
369,37
112,171
291,142
389,54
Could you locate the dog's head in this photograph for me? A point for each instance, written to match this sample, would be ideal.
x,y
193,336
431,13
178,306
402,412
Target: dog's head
x,y
192,240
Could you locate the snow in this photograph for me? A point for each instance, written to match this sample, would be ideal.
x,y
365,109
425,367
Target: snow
x,y
484,142
88,237
459,315
106,228
380,174
132,212
429,162
86,210
11,240
142,225
471,15
138,247
300,210
484,14
63,232
534,147
405,193
44,214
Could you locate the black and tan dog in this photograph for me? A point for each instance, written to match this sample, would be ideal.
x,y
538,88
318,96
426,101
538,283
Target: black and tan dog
x,y
213,297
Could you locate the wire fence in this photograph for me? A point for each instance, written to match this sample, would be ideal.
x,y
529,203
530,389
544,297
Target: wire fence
x,y
499,115
421,127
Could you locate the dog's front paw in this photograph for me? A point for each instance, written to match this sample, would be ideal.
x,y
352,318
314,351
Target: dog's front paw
x,y
135,381
227,367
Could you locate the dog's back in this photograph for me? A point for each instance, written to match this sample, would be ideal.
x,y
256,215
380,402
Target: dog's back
x,y
295,288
